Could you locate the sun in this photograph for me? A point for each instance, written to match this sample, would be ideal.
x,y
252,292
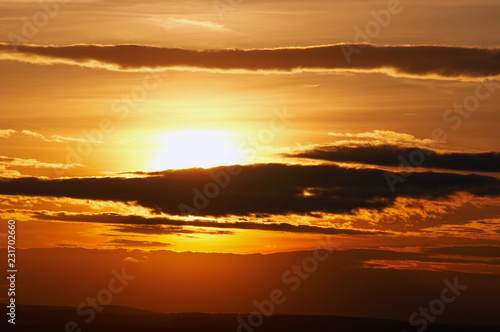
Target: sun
x,y
195,148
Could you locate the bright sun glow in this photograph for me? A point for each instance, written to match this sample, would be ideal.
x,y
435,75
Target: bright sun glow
x,y
196,148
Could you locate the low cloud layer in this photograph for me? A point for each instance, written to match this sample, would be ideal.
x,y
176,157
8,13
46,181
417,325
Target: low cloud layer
x,y
143,225
424,60
257,189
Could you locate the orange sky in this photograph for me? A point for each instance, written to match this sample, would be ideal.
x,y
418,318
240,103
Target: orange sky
x,y
115,113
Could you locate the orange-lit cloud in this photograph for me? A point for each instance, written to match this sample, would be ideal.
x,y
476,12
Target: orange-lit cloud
x,y
11,167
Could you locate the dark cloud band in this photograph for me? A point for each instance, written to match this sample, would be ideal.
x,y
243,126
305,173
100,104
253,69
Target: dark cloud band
x,y
390,155
423,60
257,189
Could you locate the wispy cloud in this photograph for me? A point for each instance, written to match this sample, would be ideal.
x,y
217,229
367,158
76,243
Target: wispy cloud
x,y
56,138
136,243
11,133
7,132
20,162
203,24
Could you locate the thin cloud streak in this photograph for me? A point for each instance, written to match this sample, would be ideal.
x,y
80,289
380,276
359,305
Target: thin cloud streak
x,y
11,133
138,222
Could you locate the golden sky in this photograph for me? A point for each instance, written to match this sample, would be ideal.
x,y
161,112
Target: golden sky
x,y
140,130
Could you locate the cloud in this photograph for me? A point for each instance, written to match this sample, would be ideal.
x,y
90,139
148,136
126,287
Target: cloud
x,y
391,155
426,260
258,189
136,243
155,226
131,259
381,137
425,255
56,138
483,228
408,265
203,24
161,230
474,251
7,133
421,60
10,166
33,163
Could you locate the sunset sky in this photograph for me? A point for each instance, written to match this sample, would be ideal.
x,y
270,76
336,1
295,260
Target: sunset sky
x,y
209,146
